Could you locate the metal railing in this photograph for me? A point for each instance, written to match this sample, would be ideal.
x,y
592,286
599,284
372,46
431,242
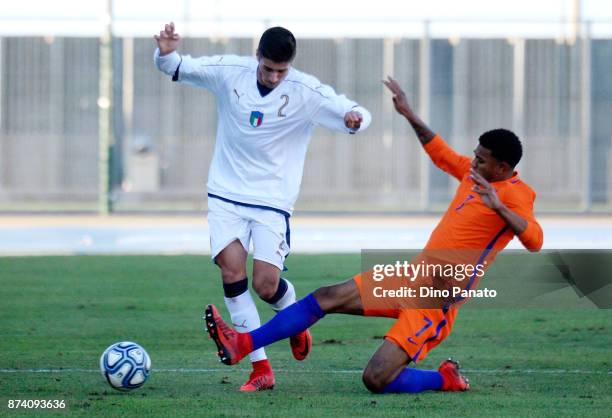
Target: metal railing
x,y
556,95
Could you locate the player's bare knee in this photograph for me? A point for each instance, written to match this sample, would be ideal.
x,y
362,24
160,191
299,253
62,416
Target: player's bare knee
x,y
372,380
379,372
232,274
265,286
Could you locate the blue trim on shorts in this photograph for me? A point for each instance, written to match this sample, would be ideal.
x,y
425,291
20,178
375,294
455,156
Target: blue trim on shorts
x,y
250,205
288,233
438,328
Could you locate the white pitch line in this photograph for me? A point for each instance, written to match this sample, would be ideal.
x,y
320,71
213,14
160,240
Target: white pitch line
x,y
467,371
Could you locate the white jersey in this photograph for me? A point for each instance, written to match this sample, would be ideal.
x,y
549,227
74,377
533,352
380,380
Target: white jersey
x,y
261,141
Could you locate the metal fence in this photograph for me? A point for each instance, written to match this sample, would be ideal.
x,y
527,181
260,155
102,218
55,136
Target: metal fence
x,y
556,95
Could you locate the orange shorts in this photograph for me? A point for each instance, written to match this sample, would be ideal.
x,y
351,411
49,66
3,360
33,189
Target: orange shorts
x,y
416,331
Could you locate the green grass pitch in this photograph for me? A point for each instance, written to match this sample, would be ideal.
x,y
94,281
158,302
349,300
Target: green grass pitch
x,y
57,315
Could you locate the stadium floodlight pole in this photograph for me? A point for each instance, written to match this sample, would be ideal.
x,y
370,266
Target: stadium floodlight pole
x,y
424,111
388,112
518,86
1,95
105,123
575,20
585,116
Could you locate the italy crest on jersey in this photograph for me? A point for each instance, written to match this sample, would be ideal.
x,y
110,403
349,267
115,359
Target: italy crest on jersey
x,y
256,118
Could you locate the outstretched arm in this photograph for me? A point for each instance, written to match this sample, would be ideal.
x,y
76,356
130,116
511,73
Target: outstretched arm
x,y
338,113
442,155
199,72
167,40
403,108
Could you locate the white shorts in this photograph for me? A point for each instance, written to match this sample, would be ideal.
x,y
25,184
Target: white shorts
x,y
268,229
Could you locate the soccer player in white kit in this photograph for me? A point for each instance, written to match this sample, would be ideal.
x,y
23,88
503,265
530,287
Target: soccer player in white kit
x,y
267,111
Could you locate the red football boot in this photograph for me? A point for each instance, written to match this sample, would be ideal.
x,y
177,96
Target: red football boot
x,y
232,346
301,345
261,378
452,380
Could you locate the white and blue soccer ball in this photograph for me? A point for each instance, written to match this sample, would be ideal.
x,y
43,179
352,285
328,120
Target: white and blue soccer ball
x,y
125,365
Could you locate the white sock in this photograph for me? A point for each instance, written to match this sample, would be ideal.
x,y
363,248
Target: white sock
x,y
287,299
245,318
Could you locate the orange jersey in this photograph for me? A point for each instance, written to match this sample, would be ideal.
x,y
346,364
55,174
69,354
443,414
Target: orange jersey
x,y
470,224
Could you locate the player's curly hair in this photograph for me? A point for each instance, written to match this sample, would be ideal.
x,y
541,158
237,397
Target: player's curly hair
x,y
277,44
503,144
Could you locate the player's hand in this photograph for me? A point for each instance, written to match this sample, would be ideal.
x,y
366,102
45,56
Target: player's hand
x,y
167,40
352,120
399,97
486,191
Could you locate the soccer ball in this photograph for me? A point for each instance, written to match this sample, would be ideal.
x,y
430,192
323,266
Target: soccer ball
x,y
125,365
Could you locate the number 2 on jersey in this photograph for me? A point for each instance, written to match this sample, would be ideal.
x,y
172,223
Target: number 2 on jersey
x,y
280,109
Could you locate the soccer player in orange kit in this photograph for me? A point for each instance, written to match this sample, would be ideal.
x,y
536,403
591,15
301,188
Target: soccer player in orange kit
x,y
491,206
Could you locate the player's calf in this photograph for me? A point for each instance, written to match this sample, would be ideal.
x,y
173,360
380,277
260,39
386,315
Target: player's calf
x,y
283,297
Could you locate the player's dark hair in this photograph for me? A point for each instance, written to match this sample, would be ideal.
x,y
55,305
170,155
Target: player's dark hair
x,y
503,144
277,44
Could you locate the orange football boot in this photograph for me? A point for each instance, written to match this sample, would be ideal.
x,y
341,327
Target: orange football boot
x,y
452,380
301,345
261,378
232,346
